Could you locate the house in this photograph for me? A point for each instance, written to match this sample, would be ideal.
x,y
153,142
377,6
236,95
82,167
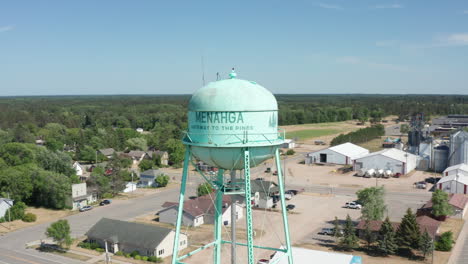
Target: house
x,y
305,256
148,240
425,224
199,211
163,156
392,159
135,155
140,130
340,154
80,196
5,204
108,152
130,187
454,183
459,203
263,193
148,178
459,169
79,170
288,144
40,142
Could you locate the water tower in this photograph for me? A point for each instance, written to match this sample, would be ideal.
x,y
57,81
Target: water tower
x,y
233,126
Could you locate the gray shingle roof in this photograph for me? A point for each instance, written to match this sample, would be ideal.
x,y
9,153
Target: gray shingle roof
x,y
136,234
154,173
107,151
263,187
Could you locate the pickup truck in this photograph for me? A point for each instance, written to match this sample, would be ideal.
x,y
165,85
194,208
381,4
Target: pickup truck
x,y
353,205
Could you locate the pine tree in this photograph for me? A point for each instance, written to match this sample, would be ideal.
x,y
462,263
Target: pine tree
x,y
408,234
337,232
368,234
426,245
349,240
387,244
440,204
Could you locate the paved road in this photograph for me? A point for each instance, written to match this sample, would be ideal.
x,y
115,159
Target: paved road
x,y
12,245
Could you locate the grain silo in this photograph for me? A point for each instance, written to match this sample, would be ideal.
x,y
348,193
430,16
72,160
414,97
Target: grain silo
x,y
458,148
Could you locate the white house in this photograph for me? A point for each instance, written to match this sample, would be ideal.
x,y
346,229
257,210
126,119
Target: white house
x,y
199,211
148,240
148,177
80,196
305,256
262,193
288,144
78,168
140,130
130,187
392,159
460,169
454,183
340,154
5,204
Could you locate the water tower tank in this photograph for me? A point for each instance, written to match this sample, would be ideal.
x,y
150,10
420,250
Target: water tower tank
x,y
226,117
441,155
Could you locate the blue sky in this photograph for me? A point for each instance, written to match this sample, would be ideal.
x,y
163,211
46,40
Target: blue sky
x,y
155,47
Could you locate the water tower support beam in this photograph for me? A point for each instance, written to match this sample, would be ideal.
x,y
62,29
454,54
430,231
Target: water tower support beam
x,y
248,206
218,220
183,183
284,213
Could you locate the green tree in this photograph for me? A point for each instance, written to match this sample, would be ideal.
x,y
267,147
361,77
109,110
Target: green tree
x,y
162,180
176,151
16,212
426,244
440,204
17,182
204,189
137,144
337,232
445,242
51,189
408,234
387,243
145,165
404,129
373,203
369,236
87,154
349,239
60,233
15,154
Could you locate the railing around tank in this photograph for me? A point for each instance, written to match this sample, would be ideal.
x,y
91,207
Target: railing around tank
x,y
235,138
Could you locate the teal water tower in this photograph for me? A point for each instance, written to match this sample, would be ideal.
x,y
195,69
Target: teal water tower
x,y
232,125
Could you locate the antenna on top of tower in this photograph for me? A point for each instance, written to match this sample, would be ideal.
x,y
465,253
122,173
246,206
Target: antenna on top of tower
x,y
203,69
217,76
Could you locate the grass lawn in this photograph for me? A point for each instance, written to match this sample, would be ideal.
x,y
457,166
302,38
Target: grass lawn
x,y
311,133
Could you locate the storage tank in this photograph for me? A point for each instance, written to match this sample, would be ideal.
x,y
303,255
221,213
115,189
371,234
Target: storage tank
x,y
458,148
227,116
441,154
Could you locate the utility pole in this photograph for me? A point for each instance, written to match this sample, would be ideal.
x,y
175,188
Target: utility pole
x,y
233,219
9,209
96,156
132,182
107,252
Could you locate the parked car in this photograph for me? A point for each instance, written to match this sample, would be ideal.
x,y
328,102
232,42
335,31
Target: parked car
x,y
288,196
268,170
105,202
353,205
432,180
260,179
420,185
86,208
293,192
275,173
263,261
290,207
326,231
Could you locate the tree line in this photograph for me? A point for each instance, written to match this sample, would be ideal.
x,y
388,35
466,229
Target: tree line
x,y
360,135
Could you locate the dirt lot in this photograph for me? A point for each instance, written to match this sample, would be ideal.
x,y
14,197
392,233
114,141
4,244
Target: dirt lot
x,y
43,216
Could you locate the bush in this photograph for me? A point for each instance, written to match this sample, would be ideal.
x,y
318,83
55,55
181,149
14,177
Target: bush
x,y
29,217
107,196
290,152
134,253
145,258
162,180
119,253
127,255
100,250
153,258
137,257
445,242
94,245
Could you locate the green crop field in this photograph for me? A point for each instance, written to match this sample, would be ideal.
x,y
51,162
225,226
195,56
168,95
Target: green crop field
x,y
311,133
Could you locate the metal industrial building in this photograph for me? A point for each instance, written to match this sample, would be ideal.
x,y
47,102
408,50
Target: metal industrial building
x,y
455,183
458,148
395,160
340,154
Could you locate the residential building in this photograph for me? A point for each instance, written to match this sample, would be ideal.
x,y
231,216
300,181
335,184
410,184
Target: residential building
x,y
263,192
306,256
199,211
5,204
80,196
459,203
392,159
79,170
343,154
425,223
136,155
108,152
148,240
148,178
163,156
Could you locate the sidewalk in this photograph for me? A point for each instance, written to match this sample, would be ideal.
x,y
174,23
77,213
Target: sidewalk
x,y
460,251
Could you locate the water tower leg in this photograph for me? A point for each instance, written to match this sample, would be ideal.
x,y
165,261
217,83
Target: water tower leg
x,y
284,213
233,221
218,219
188,156
248,207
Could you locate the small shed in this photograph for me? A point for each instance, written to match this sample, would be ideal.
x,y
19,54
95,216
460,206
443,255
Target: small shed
x,y
392,159
288,144
340,154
